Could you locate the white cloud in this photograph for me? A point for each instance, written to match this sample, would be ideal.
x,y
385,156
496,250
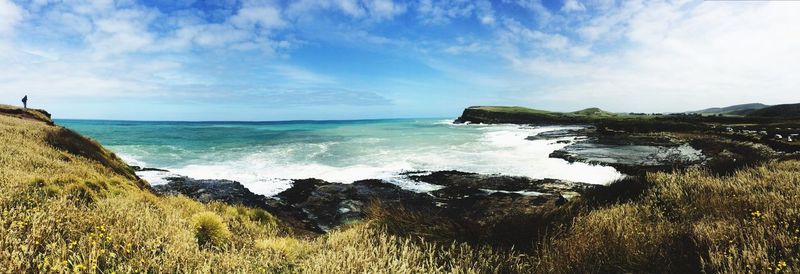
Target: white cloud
x,y
384,9
519,40
262,16
609,25
465,48
572,5
444,11
372,10
540,12
10,15
679,56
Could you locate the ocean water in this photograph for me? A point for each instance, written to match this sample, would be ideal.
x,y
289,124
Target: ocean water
x,y
265,156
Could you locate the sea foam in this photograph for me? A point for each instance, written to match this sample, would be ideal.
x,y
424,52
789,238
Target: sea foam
x,y
383,151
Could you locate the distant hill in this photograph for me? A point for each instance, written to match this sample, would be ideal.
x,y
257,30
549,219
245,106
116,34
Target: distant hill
x,y
785,110
594,112
742,109
523,115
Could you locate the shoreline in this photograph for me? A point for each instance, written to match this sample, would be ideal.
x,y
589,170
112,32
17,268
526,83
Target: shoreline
x,y
513,156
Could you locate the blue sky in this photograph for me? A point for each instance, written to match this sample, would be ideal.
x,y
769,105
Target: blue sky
x,y
351,59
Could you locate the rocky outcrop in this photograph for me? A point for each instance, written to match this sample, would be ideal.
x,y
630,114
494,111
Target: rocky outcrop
x,y
140,169
557,134
314,205
464,182
232,192
482,115
332,204
631,159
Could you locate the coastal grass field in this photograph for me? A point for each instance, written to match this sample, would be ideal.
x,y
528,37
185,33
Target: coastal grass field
x,y
70,205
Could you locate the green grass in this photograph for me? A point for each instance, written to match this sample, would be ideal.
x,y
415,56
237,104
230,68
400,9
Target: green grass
x,y
522,113
589,112
523,110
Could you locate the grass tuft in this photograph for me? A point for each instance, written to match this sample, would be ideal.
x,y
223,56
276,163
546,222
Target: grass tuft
x,y
210,229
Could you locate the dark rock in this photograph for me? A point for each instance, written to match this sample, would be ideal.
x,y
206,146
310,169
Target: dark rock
x,y
138,169
555,134
301,190
631,159
332,204
316,206
233,192
465,180
486,209
457,192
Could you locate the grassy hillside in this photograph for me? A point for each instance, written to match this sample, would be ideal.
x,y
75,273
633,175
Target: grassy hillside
x,y
741,109
589,112
68,205
786,110
523,115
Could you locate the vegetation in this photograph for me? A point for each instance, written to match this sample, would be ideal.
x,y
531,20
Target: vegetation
x,y
68,205
786,110
742,109
584,113
210,229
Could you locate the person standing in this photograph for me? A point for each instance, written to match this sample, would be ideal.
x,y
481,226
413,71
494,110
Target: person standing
x,y
25,101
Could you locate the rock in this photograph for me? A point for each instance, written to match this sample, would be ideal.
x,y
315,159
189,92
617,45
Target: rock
x,y
556,134
631,159
232,192
332,204
464,180
489,208
139,169
316,206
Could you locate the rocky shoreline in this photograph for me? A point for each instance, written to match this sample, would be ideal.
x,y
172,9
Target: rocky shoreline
x,y
636,144
313,206
633,147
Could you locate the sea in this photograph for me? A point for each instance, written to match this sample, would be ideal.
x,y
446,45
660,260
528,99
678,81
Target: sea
x,y
266,156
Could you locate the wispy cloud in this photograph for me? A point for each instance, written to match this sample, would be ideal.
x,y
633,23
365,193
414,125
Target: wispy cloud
x,y
431,57
444,11
677,55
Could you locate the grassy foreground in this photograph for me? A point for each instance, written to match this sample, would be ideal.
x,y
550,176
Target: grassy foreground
x,y
69,205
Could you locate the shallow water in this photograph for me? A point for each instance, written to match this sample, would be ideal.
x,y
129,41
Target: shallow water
x,y
264,156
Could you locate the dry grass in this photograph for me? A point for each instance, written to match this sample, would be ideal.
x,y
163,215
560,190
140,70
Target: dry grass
x,y
68,205
691,222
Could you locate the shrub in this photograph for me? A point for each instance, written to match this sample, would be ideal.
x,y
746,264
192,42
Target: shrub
x,y
210,229
289,247
80,192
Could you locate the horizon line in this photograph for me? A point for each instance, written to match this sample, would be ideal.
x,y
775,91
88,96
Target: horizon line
x,y
252,121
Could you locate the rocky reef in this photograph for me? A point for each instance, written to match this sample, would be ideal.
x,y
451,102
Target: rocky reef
x,y
315,206
635,144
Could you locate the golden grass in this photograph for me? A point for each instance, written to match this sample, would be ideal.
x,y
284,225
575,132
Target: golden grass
x,y
691,221
69,205
210,229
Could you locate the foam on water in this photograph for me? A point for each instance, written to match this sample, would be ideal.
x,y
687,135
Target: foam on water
x,y
346,153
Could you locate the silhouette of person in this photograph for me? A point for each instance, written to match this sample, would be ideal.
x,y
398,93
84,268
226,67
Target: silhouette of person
x,y
25,101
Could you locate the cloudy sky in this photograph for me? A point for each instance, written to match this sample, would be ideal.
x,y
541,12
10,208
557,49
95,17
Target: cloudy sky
x,y
346,59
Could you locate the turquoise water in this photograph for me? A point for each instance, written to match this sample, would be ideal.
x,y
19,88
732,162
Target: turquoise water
x,y
264,156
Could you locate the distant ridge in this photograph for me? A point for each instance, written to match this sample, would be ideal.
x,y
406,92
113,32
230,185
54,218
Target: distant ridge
x,y
742,109
784,111
595,112
523,115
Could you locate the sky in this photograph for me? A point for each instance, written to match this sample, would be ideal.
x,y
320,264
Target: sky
x,y
360,59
